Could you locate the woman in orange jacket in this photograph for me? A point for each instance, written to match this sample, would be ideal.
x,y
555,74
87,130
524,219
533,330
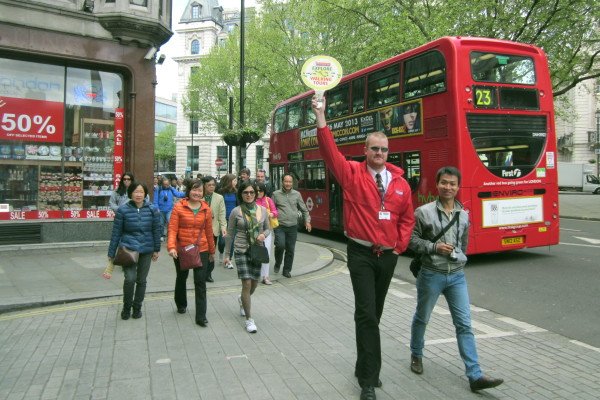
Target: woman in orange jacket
x,y
191,223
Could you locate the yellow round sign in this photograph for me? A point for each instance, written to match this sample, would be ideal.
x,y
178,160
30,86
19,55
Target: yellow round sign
x,y
321,73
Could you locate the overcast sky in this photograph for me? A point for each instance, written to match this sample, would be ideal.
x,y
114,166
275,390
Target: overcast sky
x,y
166,73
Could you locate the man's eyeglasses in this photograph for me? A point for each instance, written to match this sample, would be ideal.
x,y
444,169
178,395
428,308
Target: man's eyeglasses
x,y
376,149
248,192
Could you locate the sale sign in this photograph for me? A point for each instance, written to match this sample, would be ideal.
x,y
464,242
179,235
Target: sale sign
x,y
31,120
118,151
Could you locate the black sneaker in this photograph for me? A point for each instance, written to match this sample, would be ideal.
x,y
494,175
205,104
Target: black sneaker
x,y
276,269
126,313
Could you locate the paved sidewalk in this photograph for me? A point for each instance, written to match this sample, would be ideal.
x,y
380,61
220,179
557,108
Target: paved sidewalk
x,y
304,349
50,273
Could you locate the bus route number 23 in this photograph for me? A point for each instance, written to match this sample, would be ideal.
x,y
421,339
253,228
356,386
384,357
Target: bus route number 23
x,y
485,97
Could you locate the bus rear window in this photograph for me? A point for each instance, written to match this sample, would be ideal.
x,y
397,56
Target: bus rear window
x,y
502,68
509,146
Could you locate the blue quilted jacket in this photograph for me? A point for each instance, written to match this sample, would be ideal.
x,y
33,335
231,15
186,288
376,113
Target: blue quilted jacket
x,y
137,229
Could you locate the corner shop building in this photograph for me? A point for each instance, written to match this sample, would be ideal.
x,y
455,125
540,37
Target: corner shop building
x,y
76,112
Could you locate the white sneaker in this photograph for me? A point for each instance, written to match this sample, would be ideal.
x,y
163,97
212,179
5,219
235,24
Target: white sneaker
x,y
229,265
242,312
250,326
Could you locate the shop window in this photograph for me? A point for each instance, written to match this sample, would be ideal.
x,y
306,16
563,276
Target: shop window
x,y
58,154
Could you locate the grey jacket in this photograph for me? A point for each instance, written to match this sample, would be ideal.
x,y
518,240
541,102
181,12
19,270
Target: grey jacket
x,y
236,229
428,225
288,204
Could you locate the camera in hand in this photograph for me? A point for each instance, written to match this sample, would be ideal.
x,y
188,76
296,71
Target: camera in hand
x,y
453,256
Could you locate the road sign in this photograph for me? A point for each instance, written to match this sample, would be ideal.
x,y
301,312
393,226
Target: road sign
x,y
219,162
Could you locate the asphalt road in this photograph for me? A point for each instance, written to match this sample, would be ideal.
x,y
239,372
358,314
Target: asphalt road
x,y
555,288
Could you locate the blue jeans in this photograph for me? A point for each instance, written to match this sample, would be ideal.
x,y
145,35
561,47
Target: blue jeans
x,y
166,217
454,287
134,285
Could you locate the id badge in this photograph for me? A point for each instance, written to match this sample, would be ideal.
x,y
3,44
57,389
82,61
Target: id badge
x,y
384,215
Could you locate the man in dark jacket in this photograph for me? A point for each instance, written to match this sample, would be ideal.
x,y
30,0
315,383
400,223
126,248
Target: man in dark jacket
x,y
378,220
164,200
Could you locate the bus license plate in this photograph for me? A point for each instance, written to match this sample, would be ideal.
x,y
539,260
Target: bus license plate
x,y
513,240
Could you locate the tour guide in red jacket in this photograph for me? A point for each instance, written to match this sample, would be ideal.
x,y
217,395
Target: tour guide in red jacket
x,y
378,220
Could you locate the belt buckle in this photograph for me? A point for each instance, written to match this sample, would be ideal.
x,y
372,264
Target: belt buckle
x,y
377,250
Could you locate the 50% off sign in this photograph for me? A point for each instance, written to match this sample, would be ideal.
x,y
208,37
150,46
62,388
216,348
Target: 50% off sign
x,y
31,120
321,73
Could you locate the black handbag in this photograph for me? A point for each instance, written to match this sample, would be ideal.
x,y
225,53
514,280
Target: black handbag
x,y
126,257
416,263
258,254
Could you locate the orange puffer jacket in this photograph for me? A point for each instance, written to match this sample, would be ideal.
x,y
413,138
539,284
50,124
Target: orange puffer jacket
x,y
184,227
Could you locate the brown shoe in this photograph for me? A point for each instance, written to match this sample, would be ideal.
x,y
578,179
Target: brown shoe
x,y
416,364
485,382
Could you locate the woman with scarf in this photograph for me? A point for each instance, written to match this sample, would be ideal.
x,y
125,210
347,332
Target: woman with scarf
x,y
248,224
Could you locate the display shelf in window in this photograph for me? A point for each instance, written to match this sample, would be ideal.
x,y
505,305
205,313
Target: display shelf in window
x,y
98,148
58,191
18,186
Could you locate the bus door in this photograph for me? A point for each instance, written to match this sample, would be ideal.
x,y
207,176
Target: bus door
x,y
336,211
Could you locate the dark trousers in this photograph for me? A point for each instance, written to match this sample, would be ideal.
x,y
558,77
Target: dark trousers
x,y
199,286
285,241
135,281
371,276
211,264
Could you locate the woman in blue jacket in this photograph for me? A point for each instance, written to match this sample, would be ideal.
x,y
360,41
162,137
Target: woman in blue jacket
x,y
137,226
164,200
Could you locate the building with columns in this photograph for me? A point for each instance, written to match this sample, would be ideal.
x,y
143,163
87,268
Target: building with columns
x,y
578,132
204,24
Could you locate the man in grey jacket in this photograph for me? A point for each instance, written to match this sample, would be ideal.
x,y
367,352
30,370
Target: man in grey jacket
x,y
442,272
288,202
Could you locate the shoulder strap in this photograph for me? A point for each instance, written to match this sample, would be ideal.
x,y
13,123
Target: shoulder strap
x,y
445,229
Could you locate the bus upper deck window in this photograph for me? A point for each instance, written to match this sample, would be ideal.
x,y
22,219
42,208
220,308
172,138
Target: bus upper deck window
x,y
383,87
424,74
502,68
279,120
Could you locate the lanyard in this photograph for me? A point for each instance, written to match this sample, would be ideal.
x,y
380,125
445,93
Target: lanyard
x,y
447,226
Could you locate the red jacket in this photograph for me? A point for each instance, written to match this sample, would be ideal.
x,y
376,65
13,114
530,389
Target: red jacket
x,y
362,202
184,227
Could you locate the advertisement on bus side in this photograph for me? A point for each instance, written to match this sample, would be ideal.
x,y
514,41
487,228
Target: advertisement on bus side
x,y
400,120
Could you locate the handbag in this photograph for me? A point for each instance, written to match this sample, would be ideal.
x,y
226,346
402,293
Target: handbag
x,y
126,257
416,263
189,256
273,222
258,254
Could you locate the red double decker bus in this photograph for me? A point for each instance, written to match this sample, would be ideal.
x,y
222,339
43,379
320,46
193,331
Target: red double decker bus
x,y
482,105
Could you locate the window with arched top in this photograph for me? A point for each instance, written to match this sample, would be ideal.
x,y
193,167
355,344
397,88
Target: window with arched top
x,y
195,46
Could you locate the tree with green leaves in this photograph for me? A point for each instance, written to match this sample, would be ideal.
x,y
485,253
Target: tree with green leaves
x,y
362,32
164,144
